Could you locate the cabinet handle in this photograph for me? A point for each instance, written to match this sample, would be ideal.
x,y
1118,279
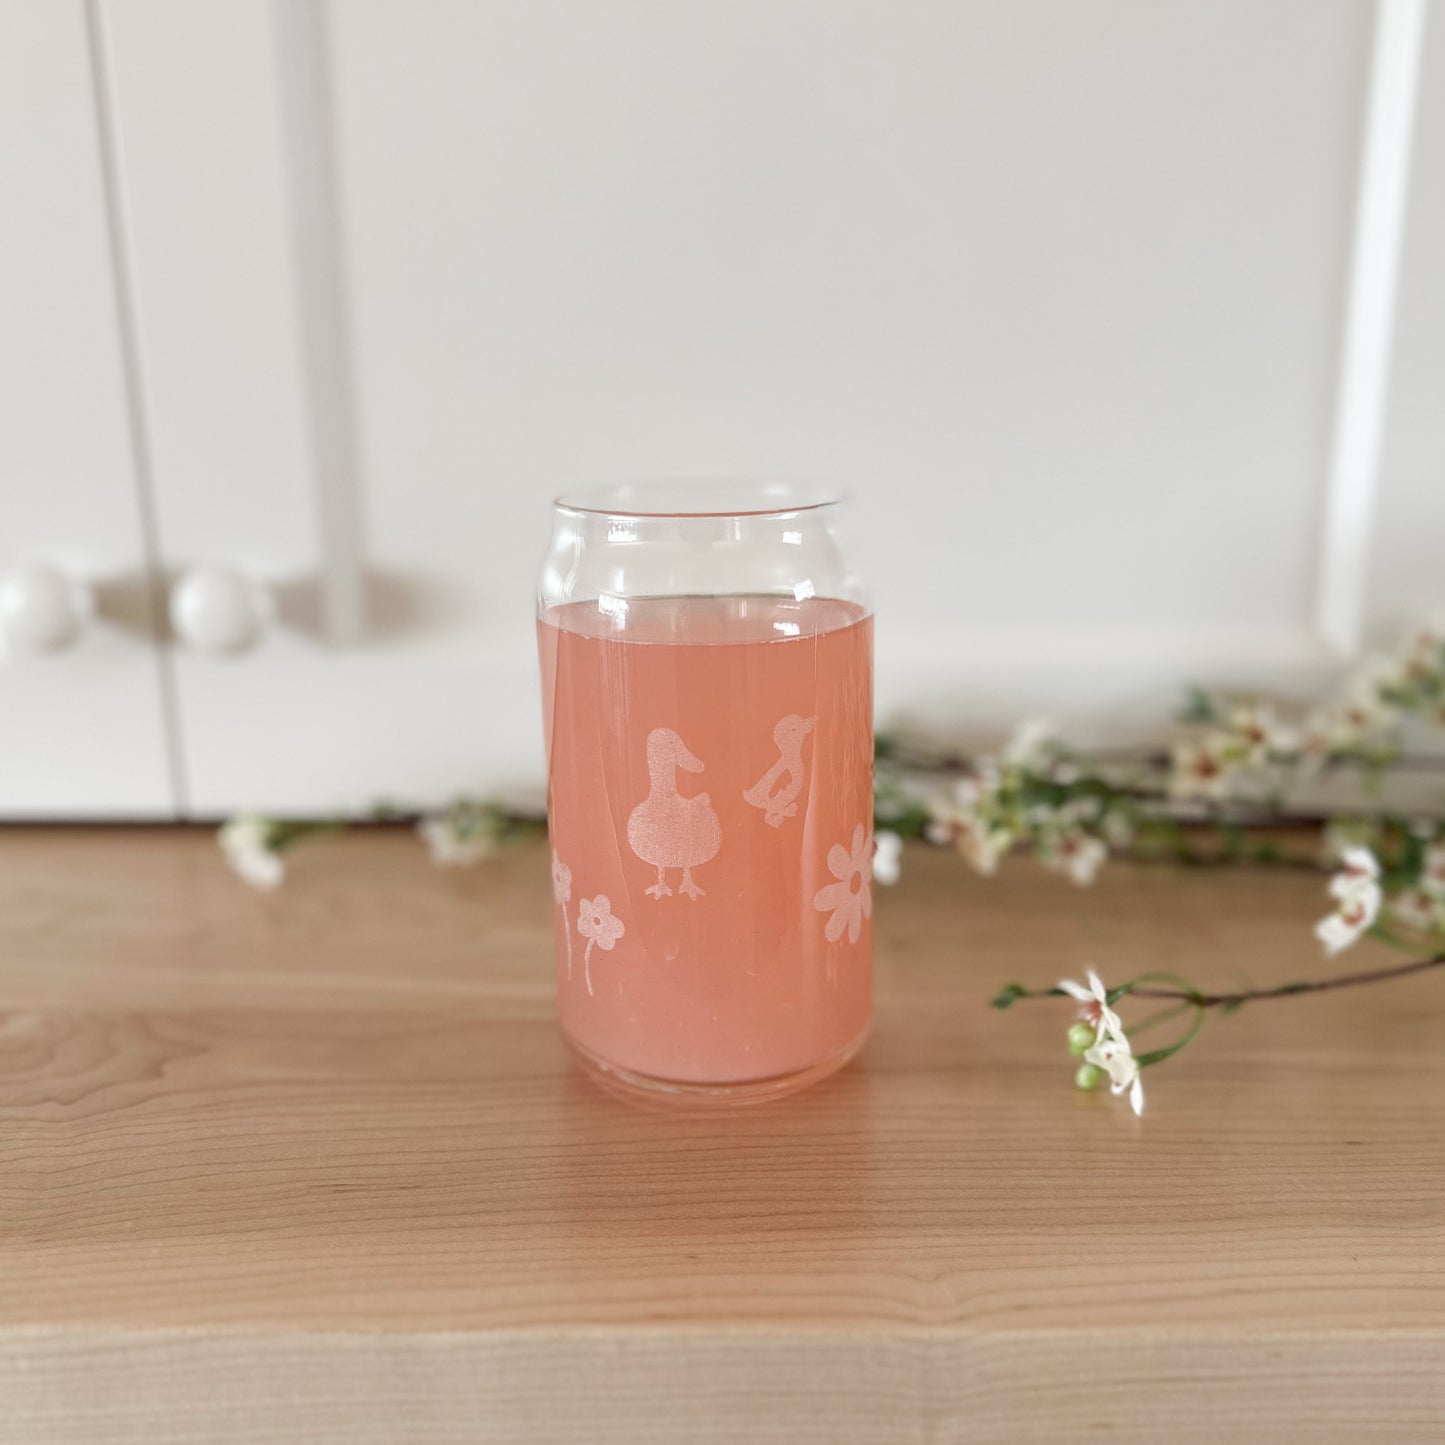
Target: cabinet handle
x,y
214,609
42,609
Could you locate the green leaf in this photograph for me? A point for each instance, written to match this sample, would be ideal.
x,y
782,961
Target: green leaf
x,y
1200,706
1007,996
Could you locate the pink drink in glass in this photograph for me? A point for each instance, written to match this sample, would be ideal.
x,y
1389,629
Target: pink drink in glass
x,y
710,807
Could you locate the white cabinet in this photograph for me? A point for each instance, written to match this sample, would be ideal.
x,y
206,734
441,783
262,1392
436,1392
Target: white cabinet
x,y
82,713
1058,292
437,693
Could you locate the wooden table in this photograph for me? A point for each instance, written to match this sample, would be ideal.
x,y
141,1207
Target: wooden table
x,y
315,1167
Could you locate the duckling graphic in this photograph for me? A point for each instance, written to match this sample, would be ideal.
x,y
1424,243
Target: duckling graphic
x,y
777,790
666,829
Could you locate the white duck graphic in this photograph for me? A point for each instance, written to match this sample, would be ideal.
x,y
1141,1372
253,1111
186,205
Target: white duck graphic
x,y
666,829
777,790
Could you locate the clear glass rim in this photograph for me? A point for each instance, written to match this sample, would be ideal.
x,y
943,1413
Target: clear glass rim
x,y
701,498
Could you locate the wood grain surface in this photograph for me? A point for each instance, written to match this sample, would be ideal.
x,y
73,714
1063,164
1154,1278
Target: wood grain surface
x,y
315,1166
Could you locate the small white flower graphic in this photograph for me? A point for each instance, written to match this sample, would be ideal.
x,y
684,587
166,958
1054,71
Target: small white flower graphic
x,y
1095,1006
1356,888
561,879
887,857
246,842
849,905
562,894
597,923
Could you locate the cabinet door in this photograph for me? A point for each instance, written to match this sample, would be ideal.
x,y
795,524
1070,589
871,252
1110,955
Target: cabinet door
x,y
1407,574
82,727
438,692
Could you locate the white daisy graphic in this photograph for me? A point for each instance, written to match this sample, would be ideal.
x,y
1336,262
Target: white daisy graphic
x,y
850,900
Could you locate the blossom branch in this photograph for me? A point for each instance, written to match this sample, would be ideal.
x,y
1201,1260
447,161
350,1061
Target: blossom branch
x,y
1289,990
1185,994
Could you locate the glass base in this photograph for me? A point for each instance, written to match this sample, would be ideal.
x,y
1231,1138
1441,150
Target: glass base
x,y
643,1088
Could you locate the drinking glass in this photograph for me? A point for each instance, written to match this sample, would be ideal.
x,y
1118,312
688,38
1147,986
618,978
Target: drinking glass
x,y
707,681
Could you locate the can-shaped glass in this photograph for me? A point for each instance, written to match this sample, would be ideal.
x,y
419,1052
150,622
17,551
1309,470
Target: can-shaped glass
x,y
707,680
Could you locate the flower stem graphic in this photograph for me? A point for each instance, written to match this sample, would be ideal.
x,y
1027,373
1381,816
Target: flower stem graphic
x,y
567,934
587,964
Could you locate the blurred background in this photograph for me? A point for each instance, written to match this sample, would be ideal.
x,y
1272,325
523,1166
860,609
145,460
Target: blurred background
x,y
1123,321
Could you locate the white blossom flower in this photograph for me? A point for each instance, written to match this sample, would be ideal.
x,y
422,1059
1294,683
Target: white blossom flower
x,y
1258,733
1075,854
1424,653
1118,828
1432,871
969,794
887,857
1417,909
1320,737
1365,709
455,843
1362,714
1110,1050
1085,809
1116,1058
962,824
946,815
983,845
850,900
1198,771
1344,927
1357,890
1066,817
597,923
1095,1006
1030,743
1359,871
1376,675
246,843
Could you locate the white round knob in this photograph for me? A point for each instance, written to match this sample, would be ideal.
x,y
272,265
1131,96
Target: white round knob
x,y
216,610
41,608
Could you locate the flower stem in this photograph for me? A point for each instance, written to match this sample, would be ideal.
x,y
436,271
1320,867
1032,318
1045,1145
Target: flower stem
x,y
1286,990
1010,995
1157,1056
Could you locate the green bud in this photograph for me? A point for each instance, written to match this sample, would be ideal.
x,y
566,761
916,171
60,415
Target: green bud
x,y
1081,1037
1087,1077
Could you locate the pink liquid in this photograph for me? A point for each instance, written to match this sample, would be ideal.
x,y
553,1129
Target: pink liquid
x,y
751,957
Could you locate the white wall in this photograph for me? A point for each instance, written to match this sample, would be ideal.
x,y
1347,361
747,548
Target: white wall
x,y
1059,290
